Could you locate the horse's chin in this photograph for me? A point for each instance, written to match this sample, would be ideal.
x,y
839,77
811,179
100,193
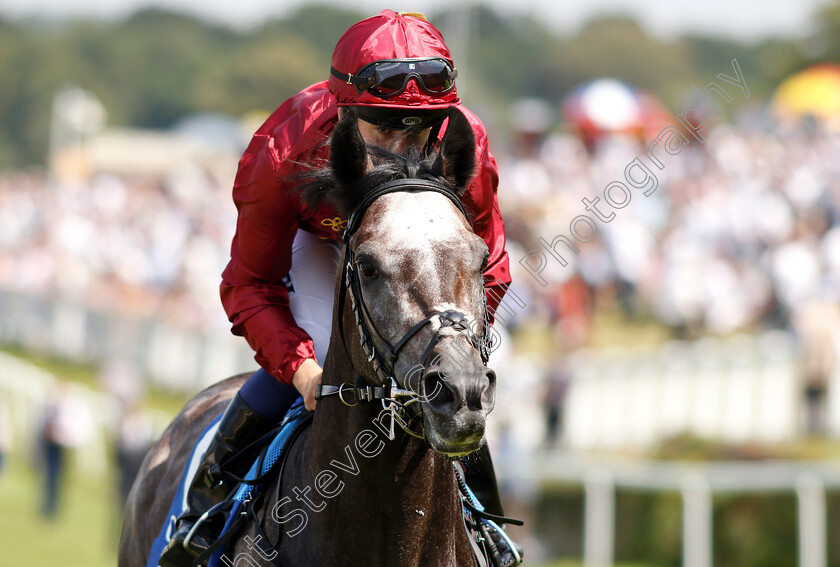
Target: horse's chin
x,y
453,446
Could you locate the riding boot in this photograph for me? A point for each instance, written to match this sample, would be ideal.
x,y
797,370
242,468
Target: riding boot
x,y
481,478
239,426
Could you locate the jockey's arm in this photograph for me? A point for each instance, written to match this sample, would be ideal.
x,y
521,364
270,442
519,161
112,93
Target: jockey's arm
x,y
253,290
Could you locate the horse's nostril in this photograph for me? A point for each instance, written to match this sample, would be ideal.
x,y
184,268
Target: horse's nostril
x,y
437,392
482,394
491,377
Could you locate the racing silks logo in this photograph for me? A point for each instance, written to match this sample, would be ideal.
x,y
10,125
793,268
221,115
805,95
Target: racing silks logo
x,y
337,224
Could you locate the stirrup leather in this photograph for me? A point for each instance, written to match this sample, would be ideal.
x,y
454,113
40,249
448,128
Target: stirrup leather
x,y
491,545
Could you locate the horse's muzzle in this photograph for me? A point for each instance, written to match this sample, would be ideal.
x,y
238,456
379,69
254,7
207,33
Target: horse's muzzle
x,y
457,398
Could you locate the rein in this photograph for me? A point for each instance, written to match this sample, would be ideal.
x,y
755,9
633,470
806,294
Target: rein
x,y
381,354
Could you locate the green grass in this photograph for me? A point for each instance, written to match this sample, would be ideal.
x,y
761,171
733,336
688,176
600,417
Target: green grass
x,y
67,370
86,530
84,533
609,328
88,375
612,328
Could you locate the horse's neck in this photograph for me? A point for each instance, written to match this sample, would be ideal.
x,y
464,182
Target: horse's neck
x,y
397,495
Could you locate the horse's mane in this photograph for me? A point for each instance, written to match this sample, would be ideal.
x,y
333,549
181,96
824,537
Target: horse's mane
x,y
321,183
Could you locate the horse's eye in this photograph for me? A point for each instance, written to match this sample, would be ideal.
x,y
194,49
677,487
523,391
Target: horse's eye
x,y
484,262
368,270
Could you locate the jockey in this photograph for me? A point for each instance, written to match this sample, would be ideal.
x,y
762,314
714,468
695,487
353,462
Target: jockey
x,y
396,71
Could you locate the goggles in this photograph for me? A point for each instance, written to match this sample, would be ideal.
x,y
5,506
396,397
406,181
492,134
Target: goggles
x,y
389,77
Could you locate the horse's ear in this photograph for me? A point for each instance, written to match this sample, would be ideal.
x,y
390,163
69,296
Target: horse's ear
x,y
348,152
456,160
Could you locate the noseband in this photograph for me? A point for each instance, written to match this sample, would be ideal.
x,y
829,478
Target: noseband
x,y
381,354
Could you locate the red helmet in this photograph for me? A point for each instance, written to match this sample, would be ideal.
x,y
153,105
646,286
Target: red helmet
x,y
393,60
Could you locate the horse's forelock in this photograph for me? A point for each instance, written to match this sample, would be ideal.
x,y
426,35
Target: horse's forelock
x,y
320,185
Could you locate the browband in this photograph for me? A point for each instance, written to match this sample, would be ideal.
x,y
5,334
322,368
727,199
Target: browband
x,y
395,186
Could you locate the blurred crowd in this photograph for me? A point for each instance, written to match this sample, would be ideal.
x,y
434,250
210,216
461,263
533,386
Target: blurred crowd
x,y
137,246
743,231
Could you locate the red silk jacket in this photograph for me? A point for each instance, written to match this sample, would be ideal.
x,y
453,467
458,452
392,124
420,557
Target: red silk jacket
x,y
271,212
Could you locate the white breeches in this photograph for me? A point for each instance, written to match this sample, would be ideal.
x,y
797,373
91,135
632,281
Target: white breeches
x,y
313,272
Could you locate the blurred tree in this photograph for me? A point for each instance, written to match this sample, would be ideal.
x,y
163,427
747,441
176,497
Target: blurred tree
x,y
260,75
506,55
153,61
825,43
321,25
156,66
12,39
618,47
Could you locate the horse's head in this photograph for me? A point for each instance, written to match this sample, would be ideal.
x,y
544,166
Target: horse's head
x,y
415,282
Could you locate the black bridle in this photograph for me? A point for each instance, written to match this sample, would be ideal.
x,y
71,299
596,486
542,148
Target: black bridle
x,y
381,354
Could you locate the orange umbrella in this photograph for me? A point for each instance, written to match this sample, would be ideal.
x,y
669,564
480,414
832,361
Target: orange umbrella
x,y
812,92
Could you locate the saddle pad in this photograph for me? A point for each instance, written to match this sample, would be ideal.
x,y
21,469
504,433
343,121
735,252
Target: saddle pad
x,y
179,501
293,418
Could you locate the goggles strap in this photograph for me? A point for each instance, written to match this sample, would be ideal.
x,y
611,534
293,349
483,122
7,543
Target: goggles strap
x,y
348,78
